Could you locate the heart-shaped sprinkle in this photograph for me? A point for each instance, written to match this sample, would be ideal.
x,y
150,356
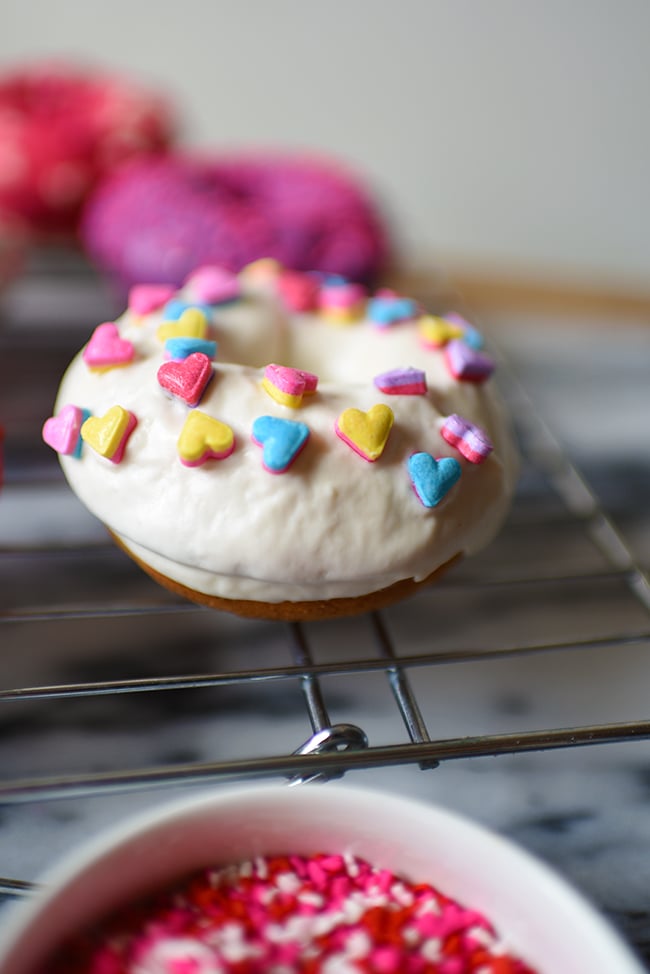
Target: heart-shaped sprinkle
x,y
388,308
470,440
192,323
287,386
281,441
106,350
263,271
367,433
435,332
175,308
298,291
402,382
467,364
186,379
63,431
471,335
180,348
341,301
204,438
214,285
108,434
144,298
432,479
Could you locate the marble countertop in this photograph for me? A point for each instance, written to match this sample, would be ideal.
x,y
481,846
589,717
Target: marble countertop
x,y
583,810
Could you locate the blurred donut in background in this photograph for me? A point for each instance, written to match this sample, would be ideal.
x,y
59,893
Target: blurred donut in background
x,y
155,220
62,130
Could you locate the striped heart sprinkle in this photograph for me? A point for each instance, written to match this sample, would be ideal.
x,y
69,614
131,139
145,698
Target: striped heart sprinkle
x,y
192,323
470,440
106,350
108,434
466,363
287,386
367,433
204,438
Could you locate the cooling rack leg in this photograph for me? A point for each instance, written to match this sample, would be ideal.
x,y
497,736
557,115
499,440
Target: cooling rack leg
x,y
399,684
326,737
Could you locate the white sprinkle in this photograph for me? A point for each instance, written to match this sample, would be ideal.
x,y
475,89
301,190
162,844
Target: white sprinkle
x,y
481,936
268,895
237,951
323,924
351,911
261,870
411,936
351,865
231,932
311,899
403,895
160,957
430,949
358,944
296,929
288,882
339,964
428,906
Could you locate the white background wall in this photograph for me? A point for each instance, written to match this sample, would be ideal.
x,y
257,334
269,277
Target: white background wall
x,y
515,132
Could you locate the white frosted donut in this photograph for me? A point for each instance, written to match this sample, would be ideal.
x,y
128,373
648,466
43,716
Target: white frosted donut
x,y
243,486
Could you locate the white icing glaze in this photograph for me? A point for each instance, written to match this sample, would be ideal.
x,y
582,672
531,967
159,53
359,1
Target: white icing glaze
x,y
333,525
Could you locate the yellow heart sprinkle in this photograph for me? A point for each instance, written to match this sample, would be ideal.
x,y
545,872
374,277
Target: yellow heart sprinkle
x,y
202,438
191,324
106,433
436,331
367,433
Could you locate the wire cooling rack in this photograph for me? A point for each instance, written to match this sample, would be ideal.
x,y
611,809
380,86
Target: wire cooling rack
x,y
88,641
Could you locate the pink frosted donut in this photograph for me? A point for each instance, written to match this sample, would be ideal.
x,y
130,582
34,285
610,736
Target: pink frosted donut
x,y
62,129
158,219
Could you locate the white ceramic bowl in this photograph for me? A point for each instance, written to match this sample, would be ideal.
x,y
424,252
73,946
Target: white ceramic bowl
x,y
543,920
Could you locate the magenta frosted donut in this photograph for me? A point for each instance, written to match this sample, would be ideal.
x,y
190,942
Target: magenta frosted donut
x,y
62,130
157,220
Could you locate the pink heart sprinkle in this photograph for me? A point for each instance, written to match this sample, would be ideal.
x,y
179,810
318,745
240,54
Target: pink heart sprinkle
x,y
61,432
213,285
298,291
186,379
106,348
144,298
294,382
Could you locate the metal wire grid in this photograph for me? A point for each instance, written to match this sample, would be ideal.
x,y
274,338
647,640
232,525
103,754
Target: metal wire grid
x,y
335,748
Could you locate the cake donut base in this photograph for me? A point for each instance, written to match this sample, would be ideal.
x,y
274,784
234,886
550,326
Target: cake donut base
x,y
307,611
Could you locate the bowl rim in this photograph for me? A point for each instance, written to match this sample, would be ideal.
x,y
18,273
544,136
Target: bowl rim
x,y
268,813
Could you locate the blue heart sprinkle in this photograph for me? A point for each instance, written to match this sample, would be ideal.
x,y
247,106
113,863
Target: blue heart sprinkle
x,y
175,308
180,348
432,479
388,310
281,440
474,339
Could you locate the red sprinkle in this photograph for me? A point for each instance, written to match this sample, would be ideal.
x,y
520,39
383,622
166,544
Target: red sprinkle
x,y
296,915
